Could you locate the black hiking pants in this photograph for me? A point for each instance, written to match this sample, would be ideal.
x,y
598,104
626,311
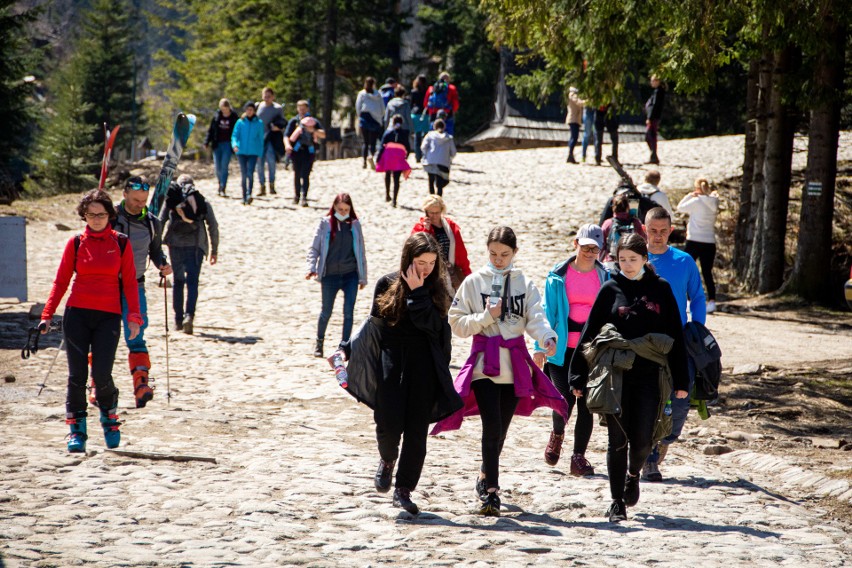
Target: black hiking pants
x,y
396,176
303,162
585,423
437,182
96,331
705,253
496,407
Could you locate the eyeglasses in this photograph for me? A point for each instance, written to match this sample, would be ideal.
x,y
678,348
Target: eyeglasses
x,y
97,215
590,248
437,212
136,186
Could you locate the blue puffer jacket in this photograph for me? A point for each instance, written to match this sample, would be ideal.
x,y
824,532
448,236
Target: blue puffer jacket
x,y
555,305
248,136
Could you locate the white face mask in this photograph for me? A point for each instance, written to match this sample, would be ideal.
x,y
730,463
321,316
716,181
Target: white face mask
x,y
499,271
638,275
340,217
397,126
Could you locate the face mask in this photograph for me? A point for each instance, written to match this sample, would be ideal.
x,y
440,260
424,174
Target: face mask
x,y
637,277
340,217
397,126
499,271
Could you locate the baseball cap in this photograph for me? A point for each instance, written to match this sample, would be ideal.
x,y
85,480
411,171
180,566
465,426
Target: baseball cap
x,y
590,234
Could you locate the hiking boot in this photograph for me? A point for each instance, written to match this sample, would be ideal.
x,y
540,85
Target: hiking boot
x,y
571,160
110,424
272,188
580,466
402,499
262,191
383,476
365,164
318,348
296,200
617,511
553,449
481,489
491,505
139,366
631,490
187,324
651,472
77,437
371,162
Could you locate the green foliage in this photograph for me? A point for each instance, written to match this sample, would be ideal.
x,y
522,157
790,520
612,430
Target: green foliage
x,y
18,59
62,161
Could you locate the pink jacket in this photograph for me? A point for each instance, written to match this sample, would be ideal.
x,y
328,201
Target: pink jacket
x,y
393,160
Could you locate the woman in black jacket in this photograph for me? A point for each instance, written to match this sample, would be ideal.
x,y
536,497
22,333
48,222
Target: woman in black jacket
x,y
637,302
414,387
219,138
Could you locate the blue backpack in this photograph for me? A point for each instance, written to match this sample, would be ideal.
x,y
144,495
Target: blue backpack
x,y
439,97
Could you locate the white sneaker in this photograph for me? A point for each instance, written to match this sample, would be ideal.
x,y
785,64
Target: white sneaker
x,y
711,306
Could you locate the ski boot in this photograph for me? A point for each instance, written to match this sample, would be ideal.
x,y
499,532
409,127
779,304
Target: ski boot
x,y
139,365
110,424
77,438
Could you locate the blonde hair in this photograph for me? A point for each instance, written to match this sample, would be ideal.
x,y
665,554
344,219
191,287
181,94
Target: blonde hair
x,y
702,185
434,200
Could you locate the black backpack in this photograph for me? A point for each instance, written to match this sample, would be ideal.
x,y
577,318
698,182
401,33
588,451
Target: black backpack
x,y
706,355
187,197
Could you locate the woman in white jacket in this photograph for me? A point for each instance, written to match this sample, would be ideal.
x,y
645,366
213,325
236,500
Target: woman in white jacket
x,y
496,305
702,205
370,108
439,149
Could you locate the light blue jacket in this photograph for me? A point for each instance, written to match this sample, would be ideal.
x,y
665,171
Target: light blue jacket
x,y
555,305
318,253
248,137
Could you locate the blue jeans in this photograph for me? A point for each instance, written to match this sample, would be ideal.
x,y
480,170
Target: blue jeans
x,y
588,129
247,165
186,263
267,159
221,159
136,345
572,141
331,285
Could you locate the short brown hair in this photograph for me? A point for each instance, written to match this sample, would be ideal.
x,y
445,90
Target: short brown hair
x,y
400,91
653,177
267,90
658,213
96,196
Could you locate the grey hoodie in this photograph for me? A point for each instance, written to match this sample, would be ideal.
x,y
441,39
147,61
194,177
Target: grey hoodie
x,y
438,149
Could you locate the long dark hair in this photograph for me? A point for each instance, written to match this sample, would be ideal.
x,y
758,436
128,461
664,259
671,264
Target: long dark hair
x,y
635,243
392,302
335,224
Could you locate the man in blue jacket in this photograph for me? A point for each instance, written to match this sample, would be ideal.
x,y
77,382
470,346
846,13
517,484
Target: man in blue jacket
x,y
682,274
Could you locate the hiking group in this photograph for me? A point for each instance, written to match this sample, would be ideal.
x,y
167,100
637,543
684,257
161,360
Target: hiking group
x,y
613,315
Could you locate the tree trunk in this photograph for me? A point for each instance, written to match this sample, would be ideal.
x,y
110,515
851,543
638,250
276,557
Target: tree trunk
x,y
328,73
813,250
742,247
754,227
776,174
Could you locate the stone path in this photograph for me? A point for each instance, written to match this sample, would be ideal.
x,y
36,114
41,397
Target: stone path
x,y
295,454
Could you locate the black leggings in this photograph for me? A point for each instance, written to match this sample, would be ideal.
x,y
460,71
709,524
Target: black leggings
x,y
96,331
496,407
302,164
396,176
706,254
437,181
583,426
640,399
370,139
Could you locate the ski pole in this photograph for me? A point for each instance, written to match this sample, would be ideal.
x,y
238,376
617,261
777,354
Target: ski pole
x,y
50,369
166,320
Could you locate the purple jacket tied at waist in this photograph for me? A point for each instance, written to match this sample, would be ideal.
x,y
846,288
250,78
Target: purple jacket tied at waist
x,y
532,387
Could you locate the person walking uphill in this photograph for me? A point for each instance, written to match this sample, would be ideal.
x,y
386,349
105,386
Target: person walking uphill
x,y
399,364
569,292
143,230
439,149
443,96
702,205
653,115
495,306
632,344
219,139
301,139
337,259
370,108
100,261
188,246
272,116
247,142
419,118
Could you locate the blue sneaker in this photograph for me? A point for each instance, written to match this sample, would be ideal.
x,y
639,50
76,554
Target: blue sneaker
x,y
110,424
77,438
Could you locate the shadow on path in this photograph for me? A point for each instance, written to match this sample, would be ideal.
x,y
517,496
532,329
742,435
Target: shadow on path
x,y
246,340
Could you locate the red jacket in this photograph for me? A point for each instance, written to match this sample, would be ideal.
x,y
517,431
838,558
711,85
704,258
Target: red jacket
x,y
99,262
452,100
457,245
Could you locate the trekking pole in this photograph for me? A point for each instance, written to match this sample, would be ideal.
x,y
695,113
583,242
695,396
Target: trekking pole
x,y
166,320
33,335
50,369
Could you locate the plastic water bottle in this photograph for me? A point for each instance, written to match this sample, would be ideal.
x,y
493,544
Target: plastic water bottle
x,y
496,289
340,370
668,409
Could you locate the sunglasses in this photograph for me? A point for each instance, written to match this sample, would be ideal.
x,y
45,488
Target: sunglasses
x,y
97,215
136,186
590,248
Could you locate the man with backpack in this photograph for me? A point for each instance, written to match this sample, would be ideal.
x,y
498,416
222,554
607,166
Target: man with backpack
x,y
143,231
190,222
681,272
651,190
443,96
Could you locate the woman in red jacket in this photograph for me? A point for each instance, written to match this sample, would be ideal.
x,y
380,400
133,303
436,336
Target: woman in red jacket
x,y
103,263
448,235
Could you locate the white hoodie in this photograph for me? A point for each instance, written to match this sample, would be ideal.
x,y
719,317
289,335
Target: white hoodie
x,y
468,316
656,195
702,211
438,149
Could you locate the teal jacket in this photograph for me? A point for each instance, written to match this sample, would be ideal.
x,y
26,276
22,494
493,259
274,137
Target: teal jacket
x,y
555,305
248,137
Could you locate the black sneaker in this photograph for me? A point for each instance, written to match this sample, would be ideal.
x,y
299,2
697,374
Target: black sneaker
x,y
617,511
383,476
481,489
402,499
631,490
318,348
491,506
